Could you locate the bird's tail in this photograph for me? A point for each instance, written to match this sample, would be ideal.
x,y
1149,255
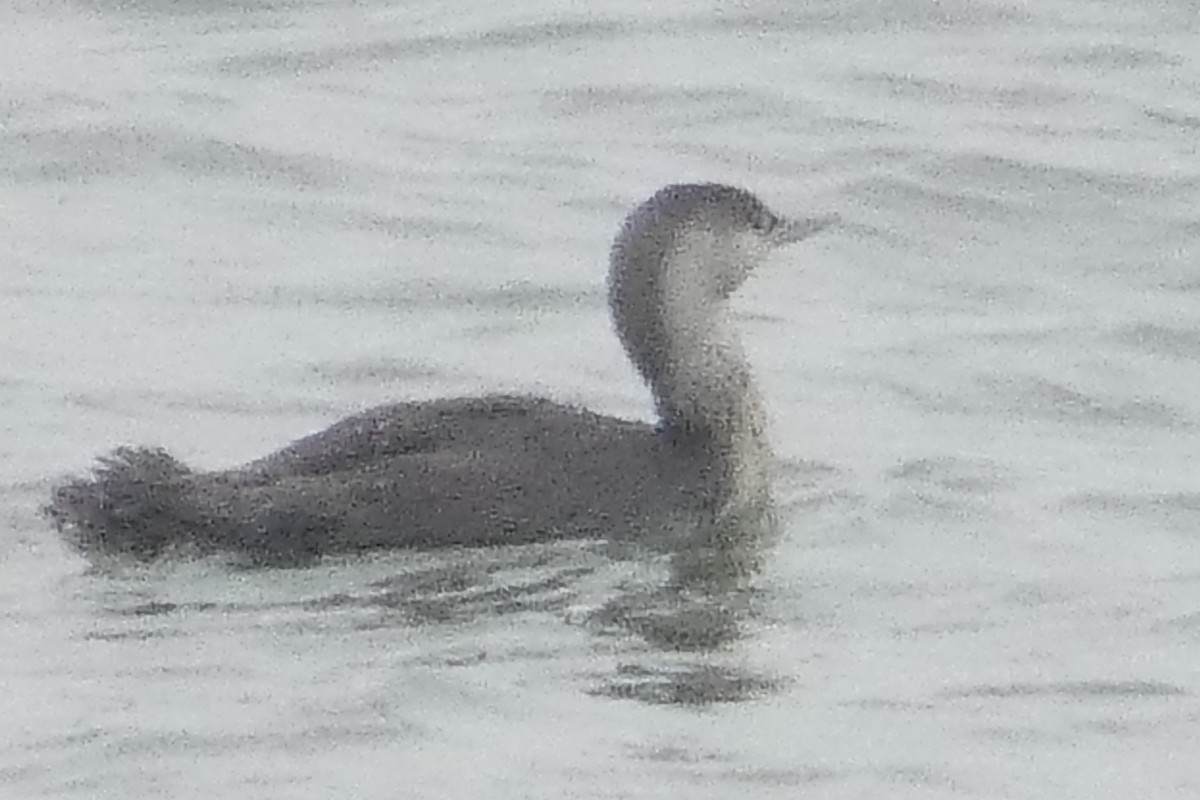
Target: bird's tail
x,y
135,504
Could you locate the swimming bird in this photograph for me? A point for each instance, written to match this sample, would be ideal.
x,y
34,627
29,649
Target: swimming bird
x,y
499,469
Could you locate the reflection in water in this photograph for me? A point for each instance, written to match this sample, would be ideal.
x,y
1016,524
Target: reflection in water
x,y
676,612
691,685
461,599
699,611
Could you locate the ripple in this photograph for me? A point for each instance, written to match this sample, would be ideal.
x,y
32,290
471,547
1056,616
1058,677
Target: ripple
x,y
67,155
1041,398
958,475
1178,511
954,93
1073,689
374,372
1189,123
512,37
1160,340
1111,57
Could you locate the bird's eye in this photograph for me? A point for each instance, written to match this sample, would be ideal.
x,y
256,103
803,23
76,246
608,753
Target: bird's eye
x,y
764,221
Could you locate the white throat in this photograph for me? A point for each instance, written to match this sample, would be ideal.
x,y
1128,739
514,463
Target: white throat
x,y
673,320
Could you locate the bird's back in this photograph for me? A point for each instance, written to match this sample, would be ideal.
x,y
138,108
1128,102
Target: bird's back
x,y
451,472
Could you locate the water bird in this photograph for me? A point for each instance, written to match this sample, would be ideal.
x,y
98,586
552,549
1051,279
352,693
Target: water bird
x,y
497,469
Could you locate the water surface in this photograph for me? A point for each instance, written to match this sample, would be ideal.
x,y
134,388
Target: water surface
x,y
227,224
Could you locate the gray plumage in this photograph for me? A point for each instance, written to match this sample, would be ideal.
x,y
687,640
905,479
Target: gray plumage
x,y
498,469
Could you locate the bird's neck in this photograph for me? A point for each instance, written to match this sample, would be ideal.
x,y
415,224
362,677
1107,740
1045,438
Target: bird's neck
x,y
676,333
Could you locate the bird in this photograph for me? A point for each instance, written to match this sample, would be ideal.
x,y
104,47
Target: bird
x,y
499,469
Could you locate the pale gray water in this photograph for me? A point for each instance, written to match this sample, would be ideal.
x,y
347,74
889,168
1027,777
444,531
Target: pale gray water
x,y
226,226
